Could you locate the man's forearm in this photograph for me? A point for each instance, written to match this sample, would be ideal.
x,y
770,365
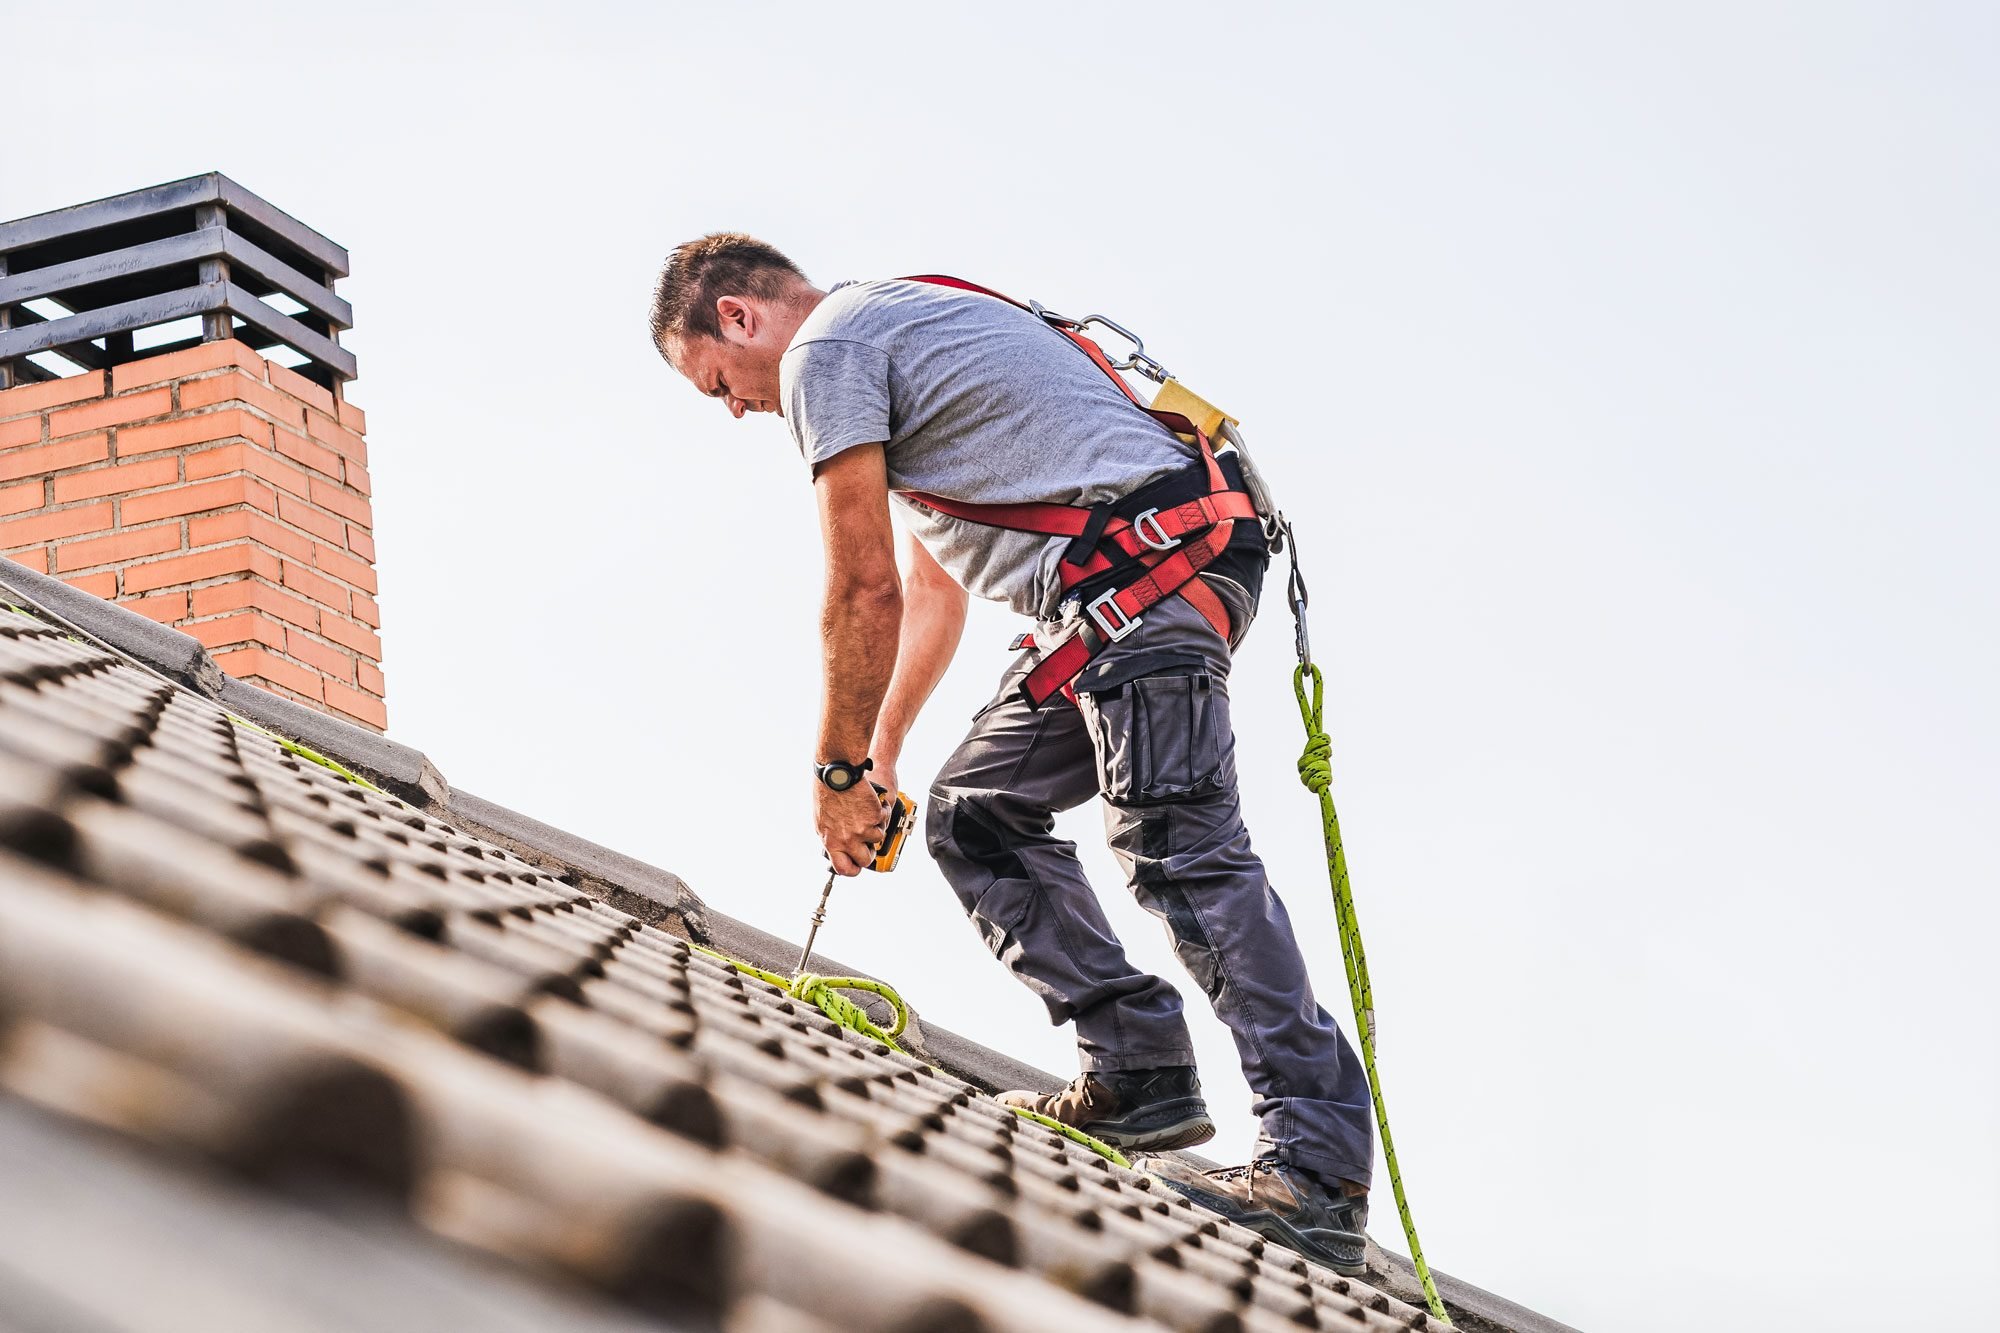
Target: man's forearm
x,y
860,626
933,620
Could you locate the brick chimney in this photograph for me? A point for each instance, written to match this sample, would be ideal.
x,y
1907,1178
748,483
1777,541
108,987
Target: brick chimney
x,y
175,435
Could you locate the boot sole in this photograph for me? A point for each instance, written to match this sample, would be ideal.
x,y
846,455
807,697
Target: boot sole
x,y
1274,1228
1185,1133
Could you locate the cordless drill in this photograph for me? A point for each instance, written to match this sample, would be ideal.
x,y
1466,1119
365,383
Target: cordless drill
x,y
902,812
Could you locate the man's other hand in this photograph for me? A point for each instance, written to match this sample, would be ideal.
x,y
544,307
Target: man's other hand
x,y
850,823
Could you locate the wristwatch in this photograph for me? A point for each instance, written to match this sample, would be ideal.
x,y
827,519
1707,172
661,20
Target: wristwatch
x,y
841,775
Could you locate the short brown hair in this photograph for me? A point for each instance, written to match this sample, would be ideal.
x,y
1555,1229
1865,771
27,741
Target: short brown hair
x,y
701,272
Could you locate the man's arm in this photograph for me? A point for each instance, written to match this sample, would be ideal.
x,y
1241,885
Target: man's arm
x,y
933,620
860,621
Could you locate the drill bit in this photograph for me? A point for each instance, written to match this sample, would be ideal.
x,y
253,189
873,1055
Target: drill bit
x,y
818,920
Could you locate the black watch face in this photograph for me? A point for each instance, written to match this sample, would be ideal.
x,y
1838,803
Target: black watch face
x,y
842,776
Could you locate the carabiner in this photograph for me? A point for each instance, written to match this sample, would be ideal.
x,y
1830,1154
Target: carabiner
x,y
1138,360
1295,589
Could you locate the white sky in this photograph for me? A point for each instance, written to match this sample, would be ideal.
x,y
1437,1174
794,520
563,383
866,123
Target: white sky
x,y
1629,374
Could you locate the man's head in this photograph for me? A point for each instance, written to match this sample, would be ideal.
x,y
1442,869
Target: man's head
x,y
724,311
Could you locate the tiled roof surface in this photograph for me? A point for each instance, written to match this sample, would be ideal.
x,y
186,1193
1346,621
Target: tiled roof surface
x,y
218,947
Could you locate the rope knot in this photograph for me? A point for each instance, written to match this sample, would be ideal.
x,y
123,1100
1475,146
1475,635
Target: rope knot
x,y
1316,764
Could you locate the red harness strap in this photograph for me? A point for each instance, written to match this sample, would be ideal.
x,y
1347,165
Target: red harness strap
x,y
1172,545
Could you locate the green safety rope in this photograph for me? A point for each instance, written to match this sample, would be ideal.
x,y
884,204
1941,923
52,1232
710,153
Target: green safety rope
x,y
1316,771
1074,1135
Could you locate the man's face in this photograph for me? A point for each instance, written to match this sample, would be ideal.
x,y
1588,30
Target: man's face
x,y
740,369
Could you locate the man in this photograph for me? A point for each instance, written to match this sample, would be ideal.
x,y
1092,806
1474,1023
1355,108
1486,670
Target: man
x,y
898,388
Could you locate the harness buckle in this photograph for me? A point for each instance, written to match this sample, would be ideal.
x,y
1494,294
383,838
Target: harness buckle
x,y
1108,602
1147,525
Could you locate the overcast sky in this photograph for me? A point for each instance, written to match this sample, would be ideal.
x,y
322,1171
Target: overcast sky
x,y
1630,377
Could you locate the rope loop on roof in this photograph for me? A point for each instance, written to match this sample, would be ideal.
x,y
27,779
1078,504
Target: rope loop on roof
x,y
825,992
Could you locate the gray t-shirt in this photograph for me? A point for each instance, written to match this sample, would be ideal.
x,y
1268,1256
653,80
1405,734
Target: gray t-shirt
x,y
977,400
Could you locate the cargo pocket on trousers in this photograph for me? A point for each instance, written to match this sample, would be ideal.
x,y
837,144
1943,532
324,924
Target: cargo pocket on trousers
x,y
997,913
1157,738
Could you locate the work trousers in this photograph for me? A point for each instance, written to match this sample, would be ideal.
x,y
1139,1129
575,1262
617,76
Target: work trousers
x,y
1150,732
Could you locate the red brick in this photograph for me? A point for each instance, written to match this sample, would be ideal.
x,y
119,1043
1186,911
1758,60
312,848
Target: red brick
x,y
217,494
52,393
198,429
353,417
361,542
349,506
111,412
13,434
20,499
165,607
34,557
316,521
193,361
356,475
117,479
247,458
56,523
241,524
324,658
366,611
103,584
316,586
254,594
298,386
54,457
350,635
369,677
346,568
337,438
236,387
364,707
241,627
315,456
198,565
252,663
119,547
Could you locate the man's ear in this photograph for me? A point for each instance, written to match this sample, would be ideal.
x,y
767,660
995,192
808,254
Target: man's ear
x,y
737,318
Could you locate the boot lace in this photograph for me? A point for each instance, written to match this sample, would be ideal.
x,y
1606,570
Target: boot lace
x,y
1261,1166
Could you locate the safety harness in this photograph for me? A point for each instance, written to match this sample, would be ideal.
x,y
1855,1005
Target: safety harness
x,y
1132,553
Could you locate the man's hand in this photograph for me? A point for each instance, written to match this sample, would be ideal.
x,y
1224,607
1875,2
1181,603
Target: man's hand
x,y
851,824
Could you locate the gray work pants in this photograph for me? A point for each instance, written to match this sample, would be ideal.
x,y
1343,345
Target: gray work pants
x,y
1151,733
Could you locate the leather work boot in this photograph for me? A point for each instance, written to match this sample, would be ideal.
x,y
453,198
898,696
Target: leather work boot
x,y
1144,1110
1279,1202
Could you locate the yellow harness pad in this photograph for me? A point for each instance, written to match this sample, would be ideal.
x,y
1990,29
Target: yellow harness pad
x,y
1177,397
